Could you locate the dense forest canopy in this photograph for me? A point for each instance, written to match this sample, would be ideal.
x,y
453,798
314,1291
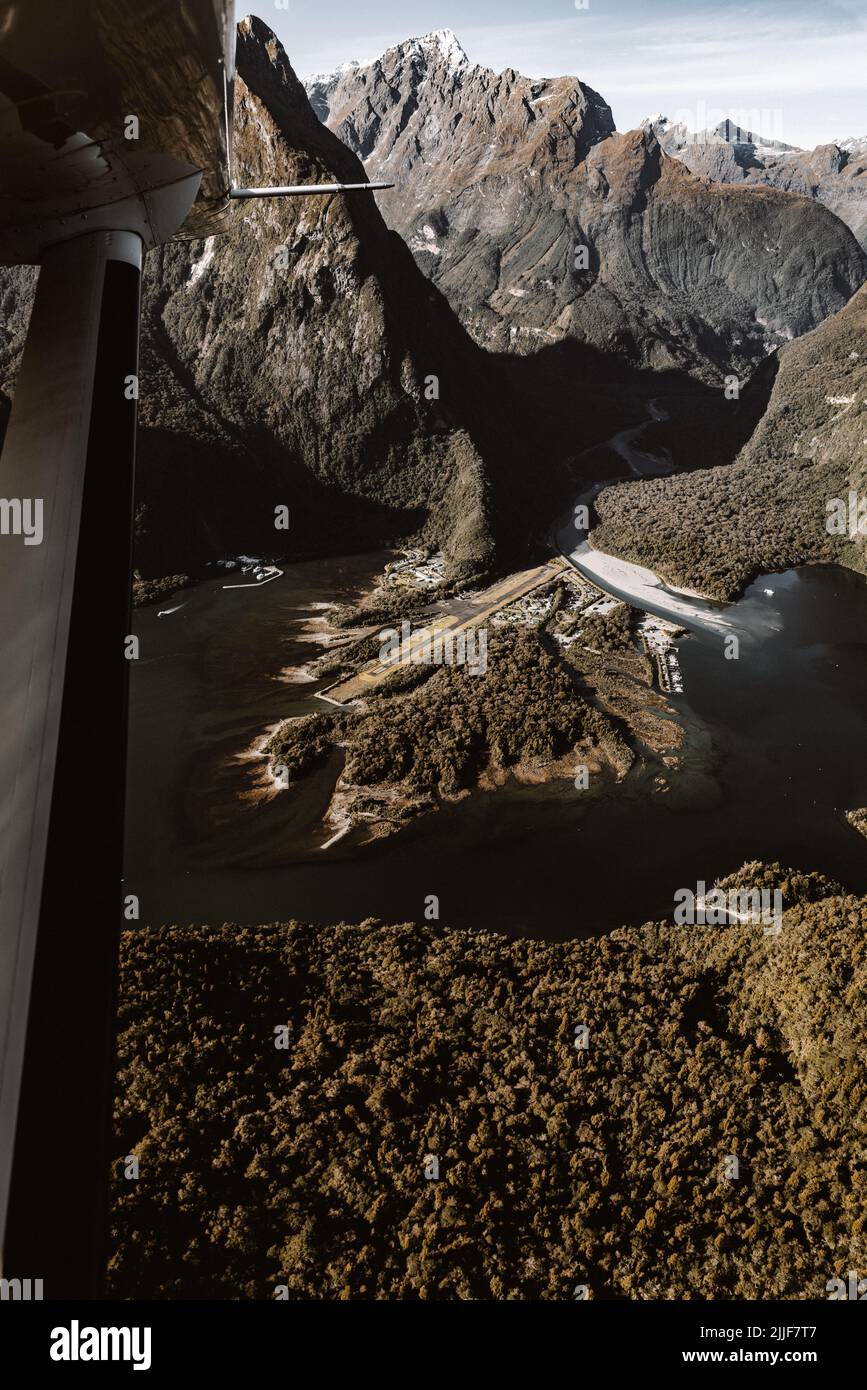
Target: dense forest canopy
x,y
559,1166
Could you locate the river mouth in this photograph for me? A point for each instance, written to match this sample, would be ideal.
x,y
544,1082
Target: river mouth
x,y
774,758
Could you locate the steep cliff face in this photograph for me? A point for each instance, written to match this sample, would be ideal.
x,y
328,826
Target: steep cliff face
x,y
835,175
501,181
693,272
305,346
303,361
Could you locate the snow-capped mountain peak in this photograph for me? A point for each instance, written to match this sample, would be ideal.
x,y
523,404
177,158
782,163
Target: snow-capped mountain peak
x,y
322,79
675,136
442,43
448,44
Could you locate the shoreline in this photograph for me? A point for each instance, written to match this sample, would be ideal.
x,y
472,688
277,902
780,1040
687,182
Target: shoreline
x,y
642,588
623,579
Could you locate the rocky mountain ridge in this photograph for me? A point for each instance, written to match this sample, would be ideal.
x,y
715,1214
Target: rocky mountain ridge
x,y
541,224
835,174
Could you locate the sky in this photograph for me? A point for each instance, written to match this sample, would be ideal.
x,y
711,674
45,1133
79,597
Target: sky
x,y
792,70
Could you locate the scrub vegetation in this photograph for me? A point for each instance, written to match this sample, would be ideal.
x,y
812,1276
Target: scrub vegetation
x,y
435,731
559,1166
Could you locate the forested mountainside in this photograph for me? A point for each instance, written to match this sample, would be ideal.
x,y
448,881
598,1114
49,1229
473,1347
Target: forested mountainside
x,y
716,529
559,1167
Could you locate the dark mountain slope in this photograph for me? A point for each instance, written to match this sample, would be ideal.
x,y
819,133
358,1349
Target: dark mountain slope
x,y
303,360
287,363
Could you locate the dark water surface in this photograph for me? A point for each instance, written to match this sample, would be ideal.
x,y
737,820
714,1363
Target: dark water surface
x,y
776,753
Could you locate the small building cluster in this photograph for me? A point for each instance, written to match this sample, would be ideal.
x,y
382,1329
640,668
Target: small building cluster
x,y
415,571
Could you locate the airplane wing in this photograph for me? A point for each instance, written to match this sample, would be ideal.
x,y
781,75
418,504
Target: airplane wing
x,y
114,134
101,105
